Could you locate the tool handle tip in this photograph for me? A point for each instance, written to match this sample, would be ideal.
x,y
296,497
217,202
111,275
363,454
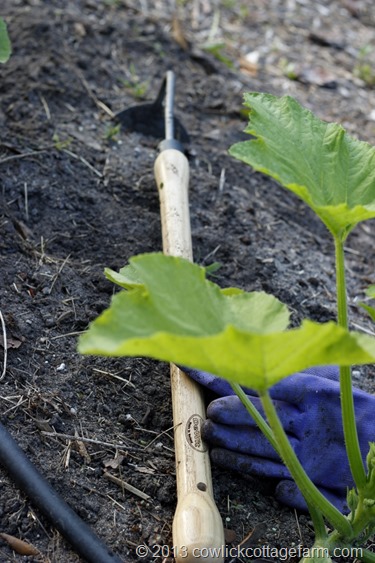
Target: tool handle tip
x,y
198,530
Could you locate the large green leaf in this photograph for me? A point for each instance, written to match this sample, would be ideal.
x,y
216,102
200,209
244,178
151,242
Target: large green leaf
x,y
174,314
5,48
331,171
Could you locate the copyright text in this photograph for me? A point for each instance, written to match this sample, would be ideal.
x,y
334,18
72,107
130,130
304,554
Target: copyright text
x,y
212,553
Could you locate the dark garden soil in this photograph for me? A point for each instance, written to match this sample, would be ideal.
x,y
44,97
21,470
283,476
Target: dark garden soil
x,y
78,195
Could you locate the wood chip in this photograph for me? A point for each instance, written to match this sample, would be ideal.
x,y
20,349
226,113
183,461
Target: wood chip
x,y
19,546
178,34
80,447
114,462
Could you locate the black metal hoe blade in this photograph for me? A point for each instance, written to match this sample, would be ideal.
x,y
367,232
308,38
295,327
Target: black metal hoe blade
x,y
149,118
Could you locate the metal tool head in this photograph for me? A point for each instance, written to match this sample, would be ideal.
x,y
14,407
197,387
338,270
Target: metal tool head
x,y
153,119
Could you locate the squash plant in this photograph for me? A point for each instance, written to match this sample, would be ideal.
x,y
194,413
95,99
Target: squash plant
x,y
168,310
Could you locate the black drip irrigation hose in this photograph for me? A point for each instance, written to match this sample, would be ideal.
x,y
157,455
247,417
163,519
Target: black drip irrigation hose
x,y
55,509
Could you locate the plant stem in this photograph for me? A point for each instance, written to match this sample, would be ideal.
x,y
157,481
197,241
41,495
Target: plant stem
x,y
316,515
346,387
318,523
311,493
368,556
251,409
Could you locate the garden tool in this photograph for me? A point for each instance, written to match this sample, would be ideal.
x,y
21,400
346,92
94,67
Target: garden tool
x,y
197,525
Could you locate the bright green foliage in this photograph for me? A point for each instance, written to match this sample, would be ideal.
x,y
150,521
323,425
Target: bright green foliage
x,y
171,312
370,292
369,309
218,51
331,171
127,277
5,47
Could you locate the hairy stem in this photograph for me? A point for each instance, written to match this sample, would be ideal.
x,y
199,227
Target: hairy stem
x,y
262,424
311,493
316,515
318,522
346,387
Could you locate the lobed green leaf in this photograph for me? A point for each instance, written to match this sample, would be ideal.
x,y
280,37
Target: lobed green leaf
x,y
175,314
331,171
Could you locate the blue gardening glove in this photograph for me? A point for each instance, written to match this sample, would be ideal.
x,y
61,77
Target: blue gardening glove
x,y
308,404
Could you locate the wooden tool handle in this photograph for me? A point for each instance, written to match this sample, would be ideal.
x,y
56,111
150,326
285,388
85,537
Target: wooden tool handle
x,y
197,525
172,178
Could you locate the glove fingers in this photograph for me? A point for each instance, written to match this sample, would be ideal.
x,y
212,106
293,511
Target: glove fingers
x,y
250,465
326,372
297,389
215,384
241,439
288,493
231,412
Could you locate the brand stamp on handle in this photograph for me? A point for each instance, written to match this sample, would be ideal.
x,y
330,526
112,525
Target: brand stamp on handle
x,y
193,433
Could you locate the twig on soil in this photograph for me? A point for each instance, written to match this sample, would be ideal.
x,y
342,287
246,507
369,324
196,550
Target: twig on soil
x,y
210,255
24,155
68,152
298,526
65,460
158,436
221,184
123,484
20,402
35,517
92,441
101,105
57,274
120,447
126,381
5,346
83,160
45,107
96,492
364,329
75,333
26,200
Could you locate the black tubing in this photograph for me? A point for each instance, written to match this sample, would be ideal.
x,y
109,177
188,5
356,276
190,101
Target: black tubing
x,y
54,508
